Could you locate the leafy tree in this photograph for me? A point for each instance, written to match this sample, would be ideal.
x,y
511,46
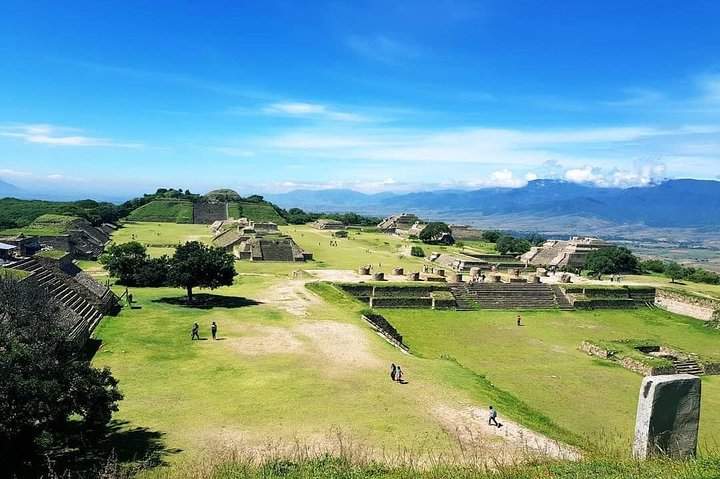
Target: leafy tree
x,y
434,231
509,244
652,265
124,261
417,251
341,234
196,265
674,271
611,261
50,402
154,272
491,236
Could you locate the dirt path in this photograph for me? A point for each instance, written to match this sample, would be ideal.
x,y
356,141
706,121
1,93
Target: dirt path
x,y
511,442
290,295
344,346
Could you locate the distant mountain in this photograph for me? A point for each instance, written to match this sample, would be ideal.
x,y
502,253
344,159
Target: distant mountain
x,y
674,203
6,189
331,200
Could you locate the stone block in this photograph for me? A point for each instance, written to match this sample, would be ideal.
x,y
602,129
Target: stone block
x,y
668,416
378,276
398,271
414,276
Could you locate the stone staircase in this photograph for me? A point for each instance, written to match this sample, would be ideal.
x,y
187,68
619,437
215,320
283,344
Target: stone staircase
x,y
504,296
462,297
69,297
687,366
561,299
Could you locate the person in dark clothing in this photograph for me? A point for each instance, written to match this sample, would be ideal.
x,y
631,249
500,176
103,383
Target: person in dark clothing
x,y
393,370
195,331
518,320
492,420
213,329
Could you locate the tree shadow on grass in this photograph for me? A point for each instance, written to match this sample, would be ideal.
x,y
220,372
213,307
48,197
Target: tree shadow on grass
x,y
122,448
209,301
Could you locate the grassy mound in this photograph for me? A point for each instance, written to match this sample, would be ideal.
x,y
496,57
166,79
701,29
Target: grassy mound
x,y
256,212
46,225
168,211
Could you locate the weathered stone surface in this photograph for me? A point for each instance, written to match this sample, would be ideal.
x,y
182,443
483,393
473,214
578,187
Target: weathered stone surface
x,y
378,276
668,416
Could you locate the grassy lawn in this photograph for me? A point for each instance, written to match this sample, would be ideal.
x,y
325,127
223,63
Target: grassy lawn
x,y
272,377
660,281
540,364
162,235
277,376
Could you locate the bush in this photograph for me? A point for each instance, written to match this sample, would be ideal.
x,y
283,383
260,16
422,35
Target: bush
x,y
417,251
341,234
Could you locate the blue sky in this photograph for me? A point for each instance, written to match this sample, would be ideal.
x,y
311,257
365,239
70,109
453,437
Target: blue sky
x,y
124,97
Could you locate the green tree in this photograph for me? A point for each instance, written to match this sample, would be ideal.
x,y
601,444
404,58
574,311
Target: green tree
x,y
196,265
433,232
417,251
491,236
124,261
50,402
509,244
611,261
674,271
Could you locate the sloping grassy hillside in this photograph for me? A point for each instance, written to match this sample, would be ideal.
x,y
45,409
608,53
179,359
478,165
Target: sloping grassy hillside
x,y
257,212
169,211
46,225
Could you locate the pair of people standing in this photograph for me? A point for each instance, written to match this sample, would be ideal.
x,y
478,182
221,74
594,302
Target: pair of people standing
x,y
396,373
196,331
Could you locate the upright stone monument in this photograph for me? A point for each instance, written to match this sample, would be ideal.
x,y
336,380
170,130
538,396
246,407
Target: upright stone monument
x,y
668,415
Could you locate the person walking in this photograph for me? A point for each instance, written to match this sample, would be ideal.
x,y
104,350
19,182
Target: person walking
x,y
399,374
195,331
213,329
518,320
393,371
492,420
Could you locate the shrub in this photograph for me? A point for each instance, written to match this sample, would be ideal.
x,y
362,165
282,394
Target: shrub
x,y
417,251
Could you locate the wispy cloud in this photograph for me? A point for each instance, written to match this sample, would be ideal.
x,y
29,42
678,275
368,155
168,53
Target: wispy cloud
x,y
10,173
383,49
311,110
59,136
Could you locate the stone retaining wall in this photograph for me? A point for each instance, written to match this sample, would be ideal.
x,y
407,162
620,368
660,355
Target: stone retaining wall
x,y
644,369
595,350
420,303
700,308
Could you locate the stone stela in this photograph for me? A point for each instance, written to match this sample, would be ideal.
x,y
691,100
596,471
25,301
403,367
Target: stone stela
x,y
668,416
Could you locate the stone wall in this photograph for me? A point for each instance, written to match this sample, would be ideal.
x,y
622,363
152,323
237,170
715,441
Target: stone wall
x,y
700,308
387,330
595,350
420,303
644,369
208,213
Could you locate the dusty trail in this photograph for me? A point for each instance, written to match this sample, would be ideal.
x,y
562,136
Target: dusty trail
x,y
345,346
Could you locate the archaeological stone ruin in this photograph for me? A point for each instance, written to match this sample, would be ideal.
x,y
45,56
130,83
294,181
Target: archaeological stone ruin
x,y
668,416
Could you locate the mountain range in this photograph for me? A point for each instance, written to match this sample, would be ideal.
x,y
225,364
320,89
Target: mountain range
x,y
682,203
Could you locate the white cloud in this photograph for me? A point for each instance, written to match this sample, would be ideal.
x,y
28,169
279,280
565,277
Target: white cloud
x,y
58,136
7,172
710,88
383,49
56,177
311,110
236,152
505,178
587,174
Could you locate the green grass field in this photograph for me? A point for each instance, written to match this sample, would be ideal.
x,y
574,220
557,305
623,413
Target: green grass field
x,y
540,362
45,225
173,211
295,367
256,212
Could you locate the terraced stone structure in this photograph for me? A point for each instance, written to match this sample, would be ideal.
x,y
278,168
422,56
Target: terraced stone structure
x,y
260,241
327,224
507,296
83,300
465,232
559,253
403,221
207,213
